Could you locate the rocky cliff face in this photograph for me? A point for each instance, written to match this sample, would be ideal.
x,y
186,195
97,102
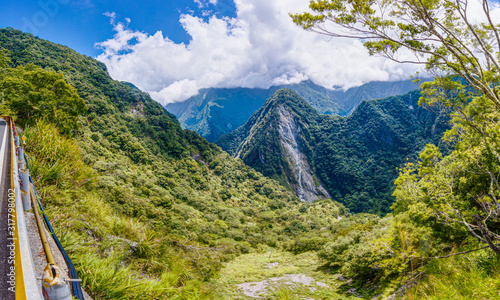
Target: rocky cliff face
x,y
302,178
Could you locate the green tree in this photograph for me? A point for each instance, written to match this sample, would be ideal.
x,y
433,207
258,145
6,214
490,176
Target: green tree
x,y
4,59
31,93
460,190
439,33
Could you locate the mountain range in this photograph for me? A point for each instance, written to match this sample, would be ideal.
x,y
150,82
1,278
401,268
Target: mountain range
x,y
129,174
217,111
149,210
351,159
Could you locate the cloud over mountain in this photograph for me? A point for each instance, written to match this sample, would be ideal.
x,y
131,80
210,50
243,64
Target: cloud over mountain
x,y
259,47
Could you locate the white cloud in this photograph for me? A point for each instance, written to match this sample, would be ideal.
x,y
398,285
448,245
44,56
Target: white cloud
x,y
177,91
205,3
258,48
111,16
200,4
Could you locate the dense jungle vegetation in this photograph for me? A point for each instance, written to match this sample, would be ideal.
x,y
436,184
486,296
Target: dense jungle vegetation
x,y
147,210
355,157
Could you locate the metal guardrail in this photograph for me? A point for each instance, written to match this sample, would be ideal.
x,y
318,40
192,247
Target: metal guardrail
x,y
24,195
74,280
26,285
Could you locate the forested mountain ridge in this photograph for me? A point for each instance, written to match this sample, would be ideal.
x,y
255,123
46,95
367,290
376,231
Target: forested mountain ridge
x,y
355,158
276,142
157,219
215,112
137,181
103,96
350,99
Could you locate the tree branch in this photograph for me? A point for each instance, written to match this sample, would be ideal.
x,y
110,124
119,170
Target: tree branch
x,y
458,253
485,234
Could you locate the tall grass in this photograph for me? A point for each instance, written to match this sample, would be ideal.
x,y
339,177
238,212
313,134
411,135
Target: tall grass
x,y
283,293
471,276
116,256
110,281
55,159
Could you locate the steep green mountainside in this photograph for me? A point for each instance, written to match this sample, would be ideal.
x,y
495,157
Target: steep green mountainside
x,y
357,157
105,97
277,142
214,112
144,208
354,158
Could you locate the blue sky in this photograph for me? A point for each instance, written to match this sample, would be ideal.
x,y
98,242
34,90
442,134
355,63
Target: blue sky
x,y
172,49
79,24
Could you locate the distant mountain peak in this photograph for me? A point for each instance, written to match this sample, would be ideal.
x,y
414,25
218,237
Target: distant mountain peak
x,y
217,111
284,95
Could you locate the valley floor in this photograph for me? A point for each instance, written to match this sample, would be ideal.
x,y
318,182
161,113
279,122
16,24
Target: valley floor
x,y
274,274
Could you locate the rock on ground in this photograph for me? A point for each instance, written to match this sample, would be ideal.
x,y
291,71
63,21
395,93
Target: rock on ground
x,y
258,289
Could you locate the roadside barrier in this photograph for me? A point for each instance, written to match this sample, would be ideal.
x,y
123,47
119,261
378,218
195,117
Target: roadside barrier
x,y
26,284
54,284
74,280
54,287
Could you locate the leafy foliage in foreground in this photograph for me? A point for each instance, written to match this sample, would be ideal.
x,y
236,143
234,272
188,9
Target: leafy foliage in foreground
x,y
31,93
